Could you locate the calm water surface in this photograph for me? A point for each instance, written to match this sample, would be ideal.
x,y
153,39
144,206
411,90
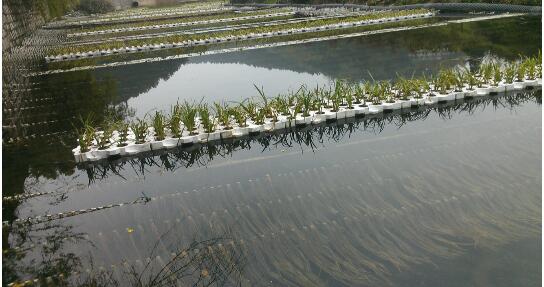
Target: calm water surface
x,y
449,196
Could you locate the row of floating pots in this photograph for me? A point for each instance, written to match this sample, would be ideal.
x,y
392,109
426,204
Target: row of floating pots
x,y
135,17
145,11
284,122
184,24
218,29
235,49
250,36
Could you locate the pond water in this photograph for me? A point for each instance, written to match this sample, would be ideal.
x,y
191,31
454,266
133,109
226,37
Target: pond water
x,y
446,196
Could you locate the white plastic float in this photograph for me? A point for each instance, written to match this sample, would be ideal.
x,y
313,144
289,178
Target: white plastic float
x,y
283,122
190,43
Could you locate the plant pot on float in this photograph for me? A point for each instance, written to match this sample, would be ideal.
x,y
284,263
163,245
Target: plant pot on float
x,y
375,108
431,100
156,144
113,150
189,138
303,120
319,117
417,101
225,134
506,87
137,148
78,156
445,97
254,128
390,106
281,123
519,85
171,142
349,112
405,104
240,131
531,83
360,109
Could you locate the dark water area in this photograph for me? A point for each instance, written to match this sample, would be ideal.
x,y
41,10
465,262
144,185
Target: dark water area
x,y
447,196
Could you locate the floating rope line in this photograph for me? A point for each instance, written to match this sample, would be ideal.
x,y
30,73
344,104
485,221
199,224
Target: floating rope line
x,y
267,177
49,217
337,225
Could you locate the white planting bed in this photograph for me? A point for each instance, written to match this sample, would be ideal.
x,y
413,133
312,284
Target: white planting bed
x,y
192,43
284,122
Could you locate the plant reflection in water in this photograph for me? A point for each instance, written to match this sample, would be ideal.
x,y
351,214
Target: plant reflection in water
x,y
308,136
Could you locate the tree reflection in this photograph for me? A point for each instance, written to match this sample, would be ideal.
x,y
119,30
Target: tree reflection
x,y
41,256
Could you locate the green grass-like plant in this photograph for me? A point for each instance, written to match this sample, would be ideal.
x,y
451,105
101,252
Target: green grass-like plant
x,y
122,129
188,112
206,119
85,134
159,125
174,122
140,128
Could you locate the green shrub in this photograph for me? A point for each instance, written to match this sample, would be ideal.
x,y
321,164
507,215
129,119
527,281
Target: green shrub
x,y
95,6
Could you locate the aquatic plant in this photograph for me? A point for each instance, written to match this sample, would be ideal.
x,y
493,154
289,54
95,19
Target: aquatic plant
x,y
538,64
103,135
250,107
531,67
386,93
188,112
265,104
260,117
458,80
159,125
223,114
240,116
319,100
471,79
306,102
85,134
174,122
376,94
123,128
206,119
497,74
444,81
349,97
281,105
486,72
509,73
405,88
140,128
359,94
520,72
418,87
